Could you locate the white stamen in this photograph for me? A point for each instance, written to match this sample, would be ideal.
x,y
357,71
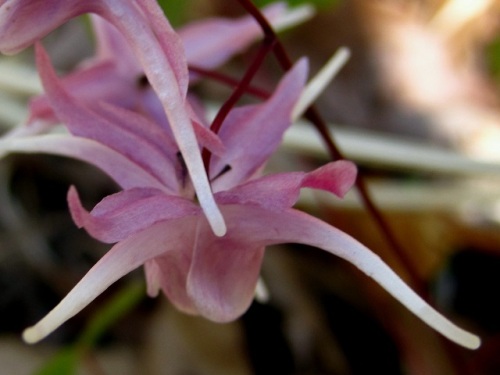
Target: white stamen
x,y
316,86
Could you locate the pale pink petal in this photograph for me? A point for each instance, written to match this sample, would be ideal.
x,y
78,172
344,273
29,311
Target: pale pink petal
x,y
112,46
210,43
125,172
123,258
143,128
264,227
84,122
22,22
252,133
275,191
155,44
207,138
111,76
281,191
224,270
28,129
160,52
337,177
174,268
125,213
98,83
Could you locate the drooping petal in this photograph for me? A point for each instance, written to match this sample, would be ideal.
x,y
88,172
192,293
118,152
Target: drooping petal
x,y
280,191
224,270
174,268
82,121
120,260
261,226
125,213
252,133
125,172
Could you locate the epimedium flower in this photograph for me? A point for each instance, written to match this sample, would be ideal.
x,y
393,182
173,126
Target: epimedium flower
x,y
113,75
155,222
154,43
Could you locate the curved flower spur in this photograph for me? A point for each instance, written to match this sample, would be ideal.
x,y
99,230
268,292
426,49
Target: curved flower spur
x,y
154,222
154,43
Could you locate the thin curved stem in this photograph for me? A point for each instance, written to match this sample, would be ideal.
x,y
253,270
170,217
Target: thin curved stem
x,y
266,46
229,81
315,118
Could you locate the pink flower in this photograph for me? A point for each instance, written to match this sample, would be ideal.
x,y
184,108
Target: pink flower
x,y
154,43
115,76
156,223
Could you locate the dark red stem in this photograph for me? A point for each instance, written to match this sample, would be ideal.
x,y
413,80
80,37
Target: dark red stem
x,y
229,81
313,115
266,46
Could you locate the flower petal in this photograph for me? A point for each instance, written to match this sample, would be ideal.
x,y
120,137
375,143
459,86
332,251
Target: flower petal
x,y
292,226
120,260
174,268
161,54
112,46
281,191
337,177
224,270
252,133
96,83
126,173
211,42
118,135
22,22
123,214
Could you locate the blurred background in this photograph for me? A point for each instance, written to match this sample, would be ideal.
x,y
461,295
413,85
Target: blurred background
x,y
417,107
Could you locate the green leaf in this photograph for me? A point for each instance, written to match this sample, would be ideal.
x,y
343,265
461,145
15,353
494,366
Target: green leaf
x,y
175,10
65,362
117,307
